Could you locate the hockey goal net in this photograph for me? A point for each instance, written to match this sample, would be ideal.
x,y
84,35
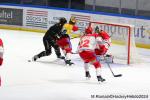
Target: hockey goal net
x,y
123,35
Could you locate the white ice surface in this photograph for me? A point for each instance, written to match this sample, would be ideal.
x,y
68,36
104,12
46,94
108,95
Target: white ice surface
x,y
50,79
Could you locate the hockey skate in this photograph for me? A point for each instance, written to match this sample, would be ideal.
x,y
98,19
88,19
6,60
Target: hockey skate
x,y
61,57
68,62
100,79
87,75
35,58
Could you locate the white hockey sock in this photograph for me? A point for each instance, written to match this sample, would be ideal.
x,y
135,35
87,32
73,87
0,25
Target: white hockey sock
x,y
86,66
68,56
98,71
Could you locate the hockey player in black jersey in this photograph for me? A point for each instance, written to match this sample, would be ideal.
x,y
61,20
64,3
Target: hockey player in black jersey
x,y
49,40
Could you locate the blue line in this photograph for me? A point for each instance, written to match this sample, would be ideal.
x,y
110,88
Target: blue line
x,y
75,10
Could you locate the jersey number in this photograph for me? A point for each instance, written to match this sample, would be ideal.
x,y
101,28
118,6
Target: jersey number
x,y
84,43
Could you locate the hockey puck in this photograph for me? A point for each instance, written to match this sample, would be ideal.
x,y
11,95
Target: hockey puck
x,y
29,60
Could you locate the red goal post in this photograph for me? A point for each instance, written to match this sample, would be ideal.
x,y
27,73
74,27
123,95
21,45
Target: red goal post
x,y
120,34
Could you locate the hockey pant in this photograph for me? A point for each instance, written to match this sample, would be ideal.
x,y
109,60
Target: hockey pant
x,y
90,57
66,46
48,44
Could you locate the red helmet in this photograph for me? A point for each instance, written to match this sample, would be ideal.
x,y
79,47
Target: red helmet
x,y
89,30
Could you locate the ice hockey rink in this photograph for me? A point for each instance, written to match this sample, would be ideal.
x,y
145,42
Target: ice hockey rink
x,y
50,79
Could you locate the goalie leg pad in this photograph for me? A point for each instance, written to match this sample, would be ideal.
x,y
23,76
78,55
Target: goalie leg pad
x,y
109,58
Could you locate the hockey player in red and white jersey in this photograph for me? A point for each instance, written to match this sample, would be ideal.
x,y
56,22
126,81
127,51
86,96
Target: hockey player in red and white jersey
x,y
86,49
64,43
64,40
1,52
106,42
1,55
103,46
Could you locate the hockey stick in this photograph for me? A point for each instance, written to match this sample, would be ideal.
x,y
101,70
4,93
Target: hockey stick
x,y
74,53
118,75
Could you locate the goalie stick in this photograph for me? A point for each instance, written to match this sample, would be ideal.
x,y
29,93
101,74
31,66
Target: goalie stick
x,y
108,64
115,75
74,53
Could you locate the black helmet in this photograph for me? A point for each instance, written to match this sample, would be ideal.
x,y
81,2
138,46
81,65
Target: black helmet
x,y
62,20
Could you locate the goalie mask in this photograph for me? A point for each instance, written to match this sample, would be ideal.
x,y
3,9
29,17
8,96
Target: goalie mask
x,y
97,29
